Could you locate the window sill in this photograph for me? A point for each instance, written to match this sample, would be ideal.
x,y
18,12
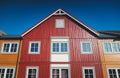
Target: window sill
x,y
33,53
86,52
9,53
60,52
112,53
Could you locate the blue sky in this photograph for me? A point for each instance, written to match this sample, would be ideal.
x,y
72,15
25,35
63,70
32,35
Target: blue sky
x,y
16,16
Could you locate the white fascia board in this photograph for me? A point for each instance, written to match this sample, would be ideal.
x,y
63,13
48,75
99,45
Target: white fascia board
x,y
54,13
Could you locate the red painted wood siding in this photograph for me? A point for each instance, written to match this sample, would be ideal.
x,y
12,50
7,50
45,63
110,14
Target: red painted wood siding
x,y
76,69
45,31
43,71
76,34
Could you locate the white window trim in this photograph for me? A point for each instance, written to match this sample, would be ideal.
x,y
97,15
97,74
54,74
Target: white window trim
x,y
8,68
39,46
60,40
111,48
93,68
59,47
60,20
112,68
60,71
32,67
82,52
9,52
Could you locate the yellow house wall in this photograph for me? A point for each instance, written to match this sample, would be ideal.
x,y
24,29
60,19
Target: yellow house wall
x,y
8,59
108,60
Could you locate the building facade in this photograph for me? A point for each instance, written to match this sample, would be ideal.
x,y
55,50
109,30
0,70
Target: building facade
x,y
109,47
60,46
9,51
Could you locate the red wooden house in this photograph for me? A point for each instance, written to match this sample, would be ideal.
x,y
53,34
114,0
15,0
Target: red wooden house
x,y
60,46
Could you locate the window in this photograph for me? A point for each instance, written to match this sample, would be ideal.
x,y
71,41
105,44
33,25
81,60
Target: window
x,y
59,45
113,72
110,47
59,23
7,72
60,73
32,72
34,47
10,47
88,72
86,47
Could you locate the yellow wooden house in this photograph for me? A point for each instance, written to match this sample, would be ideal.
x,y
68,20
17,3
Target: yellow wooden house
x,y
9,52
109,47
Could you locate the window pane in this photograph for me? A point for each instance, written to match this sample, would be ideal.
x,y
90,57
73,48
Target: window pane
x,y
112,73
6,47
55,76
64,47
116,47
91,76
111,76
64,73
2,71
55,47
115,76
14,47
118,72
88,73
55,73
32,73
34,47
86,76
86,47
107,47
9,73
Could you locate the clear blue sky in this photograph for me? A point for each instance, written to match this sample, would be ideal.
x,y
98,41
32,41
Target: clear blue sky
x,y
16,16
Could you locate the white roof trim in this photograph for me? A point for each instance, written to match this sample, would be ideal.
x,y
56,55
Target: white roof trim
x,y
59,12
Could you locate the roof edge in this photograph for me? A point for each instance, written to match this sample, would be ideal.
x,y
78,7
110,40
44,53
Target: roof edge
x,y
60,12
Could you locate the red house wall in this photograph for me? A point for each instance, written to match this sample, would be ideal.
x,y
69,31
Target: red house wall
x,y
43,33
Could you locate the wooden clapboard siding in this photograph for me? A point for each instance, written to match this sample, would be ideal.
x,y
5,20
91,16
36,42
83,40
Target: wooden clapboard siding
x,y
43,71
43,34
8,59
77,56
107,57
76,69
108,60
109,65
45,31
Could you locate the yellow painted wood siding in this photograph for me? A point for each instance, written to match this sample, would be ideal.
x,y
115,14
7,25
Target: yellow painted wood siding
x,y
108,57
8,59
108,60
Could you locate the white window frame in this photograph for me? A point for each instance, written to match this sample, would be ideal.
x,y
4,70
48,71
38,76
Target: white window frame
x,y
89,52
115,70
39,46
93,68
32,67
111,47
6,70
60,40
9,52
57,21
60,69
